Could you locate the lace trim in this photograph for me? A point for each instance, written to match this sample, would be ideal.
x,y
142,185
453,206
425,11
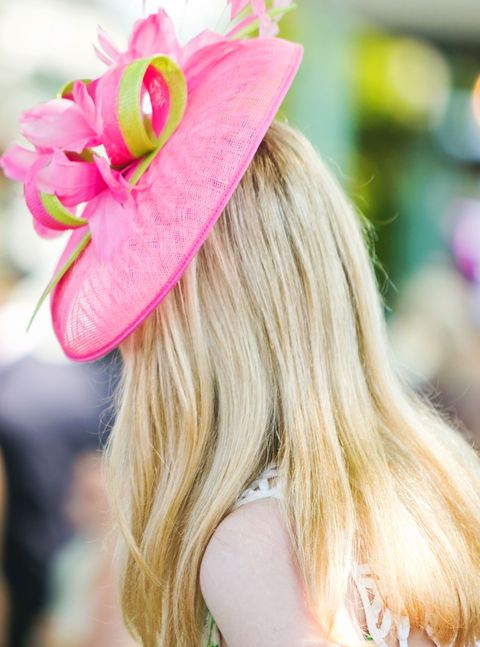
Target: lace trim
x,y
262,488
379,619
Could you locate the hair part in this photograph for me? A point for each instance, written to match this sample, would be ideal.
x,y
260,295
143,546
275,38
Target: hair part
x,y
272,347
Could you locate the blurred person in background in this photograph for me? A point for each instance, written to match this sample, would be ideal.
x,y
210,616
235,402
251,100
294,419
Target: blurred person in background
x,y
436,336
435,328
51,412
83,609
49,415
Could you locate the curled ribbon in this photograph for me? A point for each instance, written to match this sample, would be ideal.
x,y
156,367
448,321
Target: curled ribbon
x,y
65,169
128,135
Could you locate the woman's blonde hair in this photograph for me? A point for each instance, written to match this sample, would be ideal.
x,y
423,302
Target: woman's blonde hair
x,y
272,348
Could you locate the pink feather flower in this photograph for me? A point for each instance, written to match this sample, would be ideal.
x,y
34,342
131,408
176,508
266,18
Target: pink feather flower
x,y
64,129
111,213
59,123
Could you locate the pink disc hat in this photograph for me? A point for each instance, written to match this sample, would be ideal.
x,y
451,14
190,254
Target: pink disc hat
x,y
141,162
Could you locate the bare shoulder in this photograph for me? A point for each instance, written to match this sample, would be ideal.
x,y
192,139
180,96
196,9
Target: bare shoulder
x,y
250,581
252,586
252,536
251,530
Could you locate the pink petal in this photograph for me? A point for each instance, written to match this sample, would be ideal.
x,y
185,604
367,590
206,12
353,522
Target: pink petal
x,y
108,52
110,223
86,104
154,35
45,232
268,25
17,162
119,187
38,211
71,181
59,123
103,57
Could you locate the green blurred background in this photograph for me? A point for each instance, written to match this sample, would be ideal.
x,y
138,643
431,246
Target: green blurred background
x,y
385,93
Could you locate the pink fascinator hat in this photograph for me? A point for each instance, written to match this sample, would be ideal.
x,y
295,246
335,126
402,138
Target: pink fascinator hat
x,y
140,163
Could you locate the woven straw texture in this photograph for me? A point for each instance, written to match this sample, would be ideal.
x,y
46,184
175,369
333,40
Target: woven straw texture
x,y
98,303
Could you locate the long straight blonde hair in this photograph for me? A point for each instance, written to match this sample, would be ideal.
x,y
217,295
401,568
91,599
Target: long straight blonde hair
x,y
272,348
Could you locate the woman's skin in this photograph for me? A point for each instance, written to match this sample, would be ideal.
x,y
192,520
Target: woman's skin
x,y
252,586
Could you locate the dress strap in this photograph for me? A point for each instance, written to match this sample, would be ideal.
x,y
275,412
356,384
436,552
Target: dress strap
x,y
266,486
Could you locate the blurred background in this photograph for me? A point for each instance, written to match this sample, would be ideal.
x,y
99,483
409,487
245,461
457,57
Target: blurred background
x,y
389,94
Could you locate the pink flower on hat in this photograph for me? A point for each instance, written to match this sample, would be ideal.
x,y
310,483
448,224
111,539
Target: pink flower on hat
x,y
66,131
58,125
66,123
59,130
105,163
72,181
110,214
62,132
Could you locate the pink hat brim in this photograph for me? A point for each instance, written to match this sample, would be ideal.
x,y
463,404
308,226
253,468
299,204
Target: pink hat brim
x,y
98,303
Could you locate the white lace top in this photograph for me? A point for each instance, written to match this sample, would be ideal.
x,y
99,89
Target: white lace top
x,y
379,618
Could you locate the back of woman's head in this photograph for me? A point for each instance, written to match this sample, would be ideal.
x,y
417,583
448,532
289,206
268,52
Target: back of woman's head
x,y
271,348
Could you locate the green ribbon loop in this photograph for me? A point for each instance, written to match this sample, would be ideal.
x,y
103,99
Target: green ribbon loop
x,y
67,88
58,212
136,130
